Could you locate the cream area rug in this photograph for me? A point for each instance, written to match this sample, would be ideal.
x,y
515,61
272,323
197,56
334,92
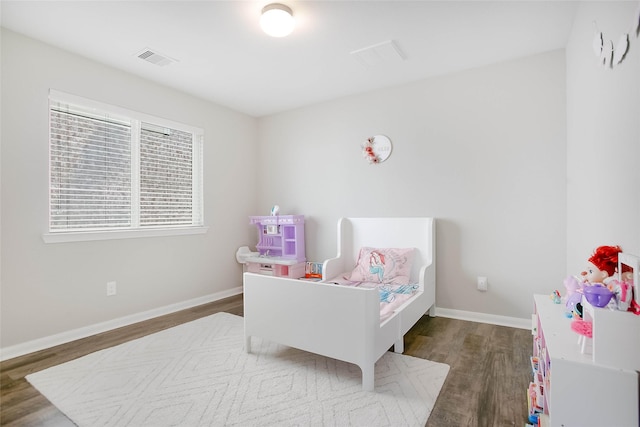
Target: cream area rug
x,y
197,374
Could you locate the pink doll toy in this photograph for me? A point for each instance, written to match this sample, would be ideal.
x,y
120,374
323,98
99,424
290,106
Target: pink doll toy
x,y
622,295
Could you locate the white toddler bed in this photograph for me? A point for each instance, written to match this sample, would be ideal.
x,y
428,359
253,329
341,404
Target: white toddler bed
x,y
343,322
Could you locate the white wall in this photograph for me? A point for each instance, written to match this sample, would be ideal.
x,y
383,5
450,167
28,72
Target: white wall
x,y
520,167
48,289
483,151
603,128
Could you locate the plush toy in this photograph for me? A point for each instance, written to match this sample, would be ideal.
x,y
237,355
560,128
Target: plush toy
x,y
602,265
573,296
603,268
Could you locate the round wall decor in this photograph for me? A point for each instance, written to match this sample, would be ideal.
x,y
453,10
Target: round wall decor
x,y
377,149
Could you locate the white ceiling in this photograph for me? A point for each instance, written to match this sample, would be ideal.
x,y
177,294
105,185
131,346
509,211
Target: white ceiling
x,y
223,56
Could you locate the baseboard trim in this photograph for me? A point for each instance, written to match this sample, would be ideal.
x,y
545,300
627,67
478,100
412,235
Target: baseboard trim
x,y
65,337
512,322
76,334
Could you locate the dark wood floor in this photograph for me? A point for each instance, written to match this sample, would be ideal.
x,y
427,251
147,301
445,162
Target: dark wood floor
x,y
485,386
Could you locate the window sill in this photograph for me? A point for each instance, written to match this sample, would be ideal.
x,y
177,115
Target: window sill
x,y
85,236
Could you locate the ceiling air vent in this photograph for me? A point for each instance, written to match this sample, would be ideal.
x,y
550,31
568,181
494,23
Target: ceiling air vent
x,y
155,58
378,54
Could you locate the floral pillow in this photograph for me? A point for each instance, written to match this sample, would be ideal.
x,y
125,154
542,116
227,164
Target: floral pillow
x,y
389,265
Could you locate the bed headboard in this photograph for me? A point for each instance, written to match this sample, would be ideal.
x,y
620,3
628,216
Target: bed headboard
x,y
419,233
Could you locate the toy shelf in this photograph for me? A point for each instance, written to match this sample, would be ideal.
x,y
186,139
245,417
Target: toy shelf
x,y
616,334
616,337
576,391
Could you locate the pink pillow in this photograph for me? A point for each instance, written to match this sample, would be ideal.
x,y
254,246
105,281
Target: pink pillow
x,y
389,265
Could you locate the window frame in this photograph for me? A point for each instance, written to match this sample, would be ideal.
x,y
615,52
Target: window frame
x,y
135,230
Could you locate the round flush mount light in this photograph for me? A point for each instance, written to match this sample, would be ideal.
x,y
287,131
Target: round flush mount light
x,y
277,20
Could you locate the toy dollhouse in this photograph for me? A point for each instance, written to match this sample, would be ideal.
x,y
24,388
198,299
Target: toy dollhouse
x,y
280,247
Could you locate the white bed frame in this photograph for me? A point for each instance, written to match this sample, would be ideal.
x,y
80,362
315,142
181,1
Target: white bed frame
x,y
343,322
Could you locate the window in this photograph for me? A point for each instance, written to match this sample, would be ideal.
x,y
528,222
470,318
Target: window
x,y
118,170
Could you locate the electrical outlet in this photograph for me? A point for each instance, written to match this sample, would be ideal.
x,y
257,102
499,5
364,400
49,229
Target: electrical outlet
x,y
111,288
482,284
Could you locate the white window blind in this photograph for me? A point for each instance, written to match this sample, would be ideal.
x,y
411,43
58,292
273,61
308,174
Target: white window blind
x,y
90,170
166,176
112,169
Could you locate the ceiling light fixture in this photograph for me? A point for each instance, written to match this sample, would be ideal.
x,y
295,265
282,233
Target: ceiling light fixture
x,y
277,20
